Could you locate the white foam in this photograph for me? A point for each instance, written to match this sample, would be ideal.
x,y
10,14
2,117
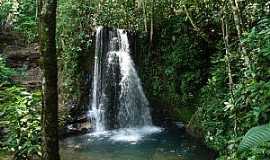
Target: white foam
x,y
132,135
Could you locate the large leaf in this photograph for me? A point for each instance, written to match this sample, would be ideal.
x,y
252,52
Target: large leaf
x,y
255,137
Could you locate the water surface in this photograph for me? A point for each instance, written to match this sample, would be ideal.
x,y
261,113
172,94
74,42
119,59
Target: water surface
x,y
134,144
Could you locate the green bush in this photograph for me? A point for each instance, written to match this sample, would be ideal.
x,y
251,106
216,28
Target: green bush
x,y
226,116
21,116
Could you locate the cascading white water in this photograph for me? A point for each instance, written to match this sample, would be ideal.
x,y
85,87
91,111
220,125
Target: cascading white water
x,y
118,100
134,106
96,112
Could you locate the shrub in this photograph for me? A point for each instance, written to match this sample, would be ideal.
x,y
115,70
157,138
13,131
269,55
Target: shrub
x,y
21,116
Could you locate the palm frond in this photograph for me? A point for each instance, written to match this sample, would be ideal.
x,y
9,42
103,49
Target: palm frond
x,y
255,137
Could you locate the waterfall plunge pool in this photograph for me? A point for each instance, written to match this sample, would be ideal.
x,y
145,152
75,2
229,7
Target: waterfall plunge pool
x,y
118,101
147,143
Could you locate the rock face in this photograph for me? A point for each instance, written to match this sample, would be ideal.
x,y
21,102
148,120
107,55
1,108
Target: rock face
x,y
22,57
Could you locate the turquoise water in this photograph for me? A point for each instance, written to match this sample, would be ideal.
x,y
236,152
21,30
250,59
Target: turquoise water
x,y
121,145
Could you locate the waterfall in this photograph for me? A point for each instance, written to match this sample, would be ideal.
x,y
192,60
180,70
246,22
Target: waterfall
x,y
118,100
96,112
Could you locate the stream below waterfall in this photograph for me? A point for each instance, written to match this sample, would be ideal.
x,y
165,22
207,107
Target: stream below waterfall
x,y
134,144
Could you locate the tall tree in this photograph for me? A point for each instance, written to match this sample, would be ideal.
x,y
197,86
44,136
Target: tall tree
x,y
47,31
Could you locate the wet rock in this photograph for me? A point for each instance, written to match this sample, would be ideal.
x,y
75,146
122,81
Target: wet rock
x,y
77,126
22,57
31,78
9,38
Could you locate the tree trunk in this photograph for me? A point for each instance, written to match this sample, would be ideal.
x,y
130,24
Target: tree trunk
x,y
195,27
239,28
237,17
225,35
47,31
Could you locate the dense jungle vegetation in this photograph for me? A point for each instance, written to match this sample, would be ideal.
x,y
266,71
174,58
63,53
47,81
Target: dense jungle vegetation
x,y
206,63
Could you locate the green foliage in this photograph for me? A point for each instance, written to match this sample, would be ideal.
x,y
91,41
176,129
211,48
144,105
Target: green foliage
x,y
26,19
120,14
181,70
174,71
5,8
254,137
211,114
21,15
20,115
227,115
74,39
5,72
